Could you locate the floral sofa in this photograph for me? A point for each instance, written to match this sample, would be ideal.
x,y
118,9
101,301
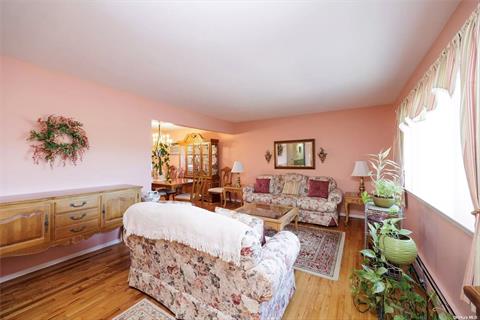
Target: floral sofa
x,y
196,285
311,209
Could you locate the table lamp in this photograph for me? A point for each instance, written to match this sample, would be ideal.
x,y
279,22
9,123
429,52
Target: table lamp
x,y
237,168
361,170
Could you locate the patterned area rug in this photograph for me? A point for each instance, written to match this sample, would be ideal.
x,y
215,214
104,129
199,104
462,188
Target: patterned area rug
x,y
144,310
321,251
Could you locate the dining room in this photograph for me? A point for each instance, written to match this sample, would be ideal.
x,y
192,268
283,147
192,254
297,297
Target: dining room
x,y
189,164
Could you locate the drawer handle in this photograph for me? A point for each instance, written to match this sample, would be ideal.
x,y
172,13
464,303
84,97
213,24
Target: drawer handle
x,y
78,217
79,229
73,205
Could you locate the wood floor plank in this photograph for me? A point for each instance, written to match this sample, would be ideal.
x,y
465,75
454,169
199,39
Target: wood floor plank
x,y
94,286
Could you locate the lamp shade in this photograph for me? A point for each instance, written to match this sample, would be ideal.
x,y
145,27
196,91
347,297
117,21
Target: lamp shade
x,y
237,167
360,169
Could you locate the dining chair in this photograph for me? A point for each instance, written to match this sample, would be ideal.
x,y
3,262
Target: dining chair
x,y
197,194
172,172
226,180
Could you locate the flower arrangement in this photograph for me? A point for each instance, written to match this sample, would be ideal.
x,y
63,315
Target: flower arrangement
x,y
58,137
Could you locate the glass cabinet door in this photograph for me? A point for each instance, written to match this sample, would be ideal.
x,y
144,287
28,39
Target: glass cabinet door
x,y
206,158
214,159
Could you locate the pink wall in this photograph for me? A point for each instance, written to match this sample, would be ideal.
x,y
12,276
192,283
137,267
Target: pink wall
x,y
117,123
346,136
443,245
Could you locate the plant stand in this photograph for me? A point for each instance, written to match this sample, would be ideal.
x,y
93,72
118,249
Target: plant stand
x,y
377,214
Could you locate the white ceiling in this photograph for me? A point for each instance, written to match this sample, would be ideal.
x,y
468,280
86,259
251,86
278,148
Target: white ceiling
x,y
234,60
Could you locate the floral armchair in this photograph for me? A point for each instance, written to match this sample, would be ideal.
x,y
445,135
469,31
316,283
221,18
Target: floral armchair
x,y
322,211
196,285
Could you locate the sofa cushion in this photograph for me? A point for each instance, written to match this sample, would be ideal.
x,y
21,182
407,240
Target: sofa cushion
x,y
331,186
285,200
297,178
291,187
318,188
316,204
262,185
259,197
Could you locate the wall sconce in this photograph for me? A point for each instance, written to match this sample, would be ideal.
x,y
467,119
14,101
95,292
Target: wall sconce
x,y
268,156
322,155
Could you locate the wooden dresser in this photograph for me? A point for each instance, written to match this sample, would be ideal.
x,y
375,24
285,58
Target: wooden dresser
x,y
32,223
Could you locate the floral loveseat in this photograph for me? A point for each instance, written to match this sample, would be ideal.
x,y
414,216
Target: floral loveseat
x,y
311,209
196,285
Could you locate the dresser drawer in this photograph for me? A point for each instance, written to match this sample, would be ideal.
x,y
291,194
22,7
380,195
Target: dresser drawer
x,y
74,217
76,229
76,203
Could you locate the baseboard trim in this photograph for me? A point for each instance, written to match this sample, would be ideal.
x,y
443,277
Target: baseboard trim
x,y
57,261
353,215
428,283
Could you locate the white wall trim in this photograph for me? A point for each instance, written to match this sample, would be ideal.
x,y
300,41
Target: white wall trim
x,y
353,215
56,261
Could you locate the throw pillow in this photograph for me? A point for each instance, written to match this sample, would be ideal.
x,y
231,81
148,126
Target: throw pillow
x,y
291,187
318,188
262,186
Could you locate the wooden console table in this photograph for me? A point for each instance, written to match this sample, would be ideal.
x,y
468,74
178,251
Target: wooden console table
x,y
32,223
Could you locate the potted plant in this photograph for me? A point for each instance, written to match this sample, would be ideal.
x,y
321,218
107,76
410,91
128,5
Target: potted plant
x,y
160,158
386,289
385,178
396,244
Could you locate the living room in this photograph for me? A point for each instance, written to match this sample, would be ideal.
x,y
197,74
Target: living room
x,y
349,117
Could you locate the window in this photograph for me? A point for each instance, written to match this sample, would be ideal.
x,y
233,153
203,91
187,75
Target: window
x,y
433,161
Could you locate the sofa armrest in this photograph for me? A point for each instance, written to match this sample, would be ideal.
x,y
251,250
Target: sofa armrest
x,y
277,259
247,190
335,196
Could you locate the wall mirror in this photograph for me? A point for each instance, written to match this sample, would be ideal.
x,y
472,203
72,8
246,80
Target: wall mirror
x,y
294,154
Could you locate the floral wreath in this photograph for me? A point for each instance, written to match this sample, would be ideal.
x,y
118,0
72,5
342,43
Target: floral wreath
x,y
58,137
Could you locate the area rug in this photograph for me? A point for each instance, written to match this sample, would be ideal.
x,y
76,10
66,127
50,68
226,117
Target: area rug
x,y
321,251
144,310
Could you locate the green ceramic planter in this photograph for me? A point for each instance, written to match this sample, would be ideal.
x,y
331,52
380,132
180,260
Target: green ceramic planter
x,y
398,251
383,202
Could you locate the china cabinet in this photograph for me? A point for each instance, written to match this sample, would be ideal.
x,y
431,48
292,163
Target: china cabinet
x,y
202,159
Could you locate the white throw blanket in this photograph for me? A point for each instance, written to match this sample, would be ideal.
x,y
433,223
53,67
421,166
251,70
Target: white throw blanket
x,y
198,228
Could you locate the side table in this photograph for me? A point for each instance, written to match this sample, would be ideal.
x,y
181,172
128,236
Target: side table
x,y
348,199
233,190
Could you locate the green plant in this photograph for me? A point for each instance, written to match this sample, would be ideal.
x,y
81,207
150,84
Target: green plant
x,y
384,169
366,198
389,229
387,188
161,156
385,176
384,288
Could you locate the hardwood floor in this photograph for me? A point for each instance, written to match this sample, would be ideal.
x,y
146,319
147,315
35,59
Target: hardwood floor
x,y
94,286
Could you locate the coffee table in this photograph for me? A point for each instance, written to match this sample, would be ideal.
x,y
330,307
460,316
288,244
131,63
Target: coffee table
x,y
274,216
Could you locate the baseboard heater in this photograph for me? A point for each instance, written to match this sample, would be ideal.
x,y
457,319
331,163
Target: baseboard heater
x,y
426,281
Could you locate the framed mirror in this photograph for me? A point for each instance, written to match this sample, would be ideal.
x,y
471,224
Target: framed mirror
x,y
294,154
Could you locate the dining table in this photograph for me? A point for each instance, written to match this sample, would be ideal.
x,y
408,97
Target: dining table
x,y
171,184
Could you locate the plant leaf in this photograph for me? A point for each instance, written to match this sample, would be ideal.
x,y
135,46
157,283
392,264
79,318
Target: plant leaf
x,y
368,253
378,287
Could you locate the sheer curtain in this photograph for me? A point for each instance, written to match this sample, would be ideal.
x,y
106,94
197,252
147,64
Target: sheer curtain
x,y
433,163
470,133
460,56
